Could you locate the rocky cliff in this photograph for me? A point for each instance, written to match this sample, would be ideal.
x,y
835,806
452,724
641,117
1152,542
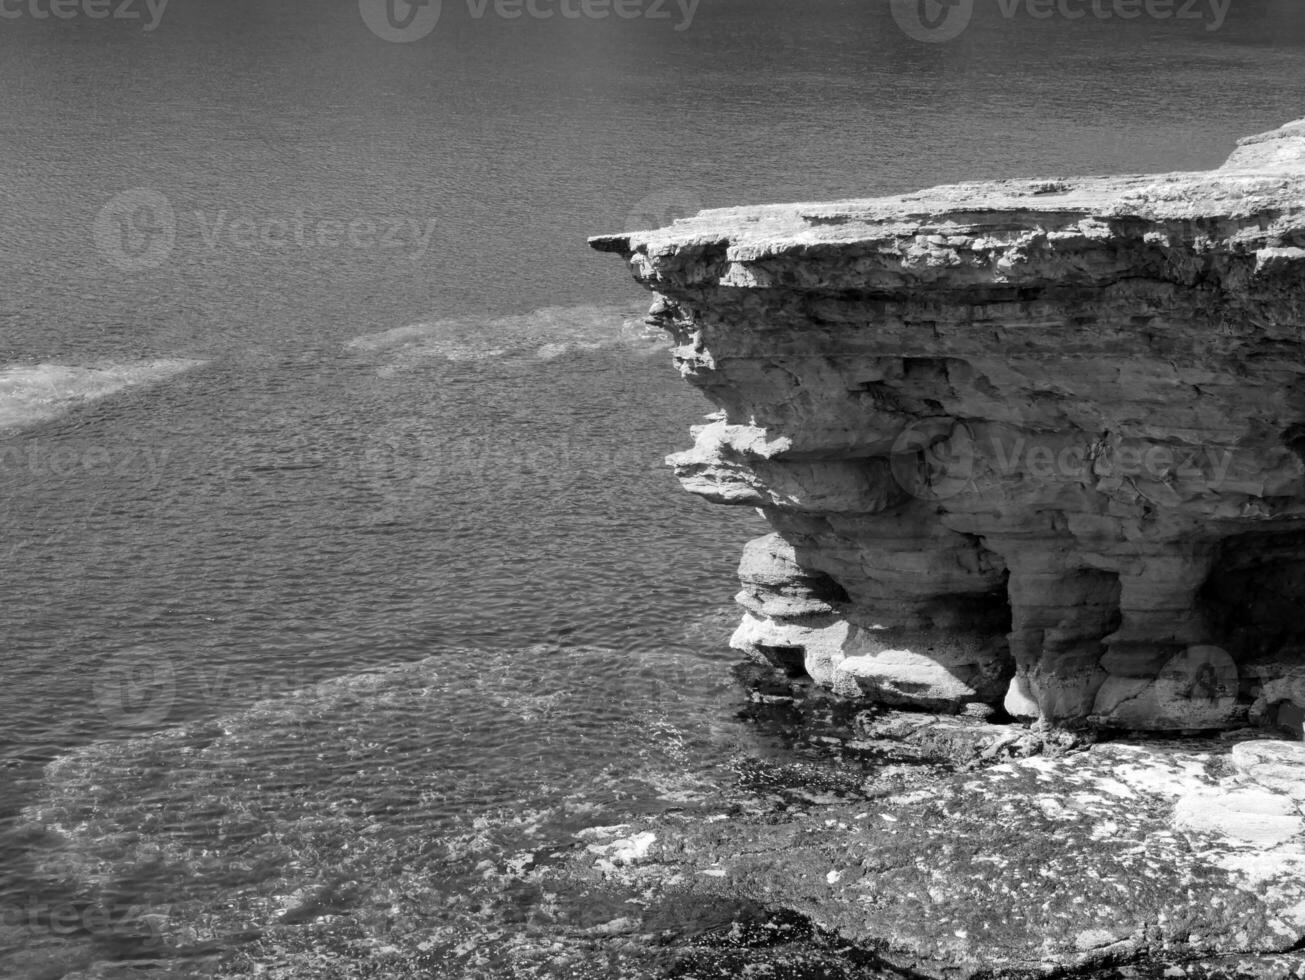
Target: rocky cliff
x,y
1035,444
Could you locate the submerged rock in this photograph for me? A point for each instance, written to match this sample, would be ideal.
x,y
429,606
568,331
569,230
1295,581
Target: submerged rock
x,y
1033,445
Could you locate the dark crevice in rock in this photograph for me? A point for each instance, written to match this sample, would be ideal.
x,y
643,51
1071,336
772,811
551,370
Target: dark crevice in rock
x,y
1253,596
1294,439
788,658
1288,717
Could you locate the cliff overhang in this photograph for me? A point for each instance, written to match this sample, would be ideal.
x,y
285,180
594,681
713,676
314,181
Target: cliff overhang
x,y
1032,448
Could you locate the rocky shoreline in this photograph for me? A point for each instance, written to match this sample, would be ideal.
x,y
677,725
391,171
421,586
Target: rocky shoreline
x,y
1034,445
1034,456
961,855
835,842
910,845
881,845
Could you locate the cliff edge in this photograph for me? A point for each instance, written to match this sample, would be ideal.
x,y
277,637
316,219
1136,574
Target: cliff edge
x,y
1032,446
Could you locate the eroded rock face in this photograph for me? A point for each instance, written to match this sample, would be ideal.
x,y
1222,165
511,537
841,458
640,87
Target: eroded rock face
x,y
1032,444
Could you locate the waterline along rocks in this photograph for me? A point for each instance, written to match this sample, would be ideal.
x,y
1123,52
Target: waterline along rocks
x,y
1031,444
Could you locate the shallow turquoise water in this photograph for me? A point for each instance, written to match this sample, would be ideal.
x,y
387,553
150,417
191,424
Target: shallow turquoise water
x,y
240,482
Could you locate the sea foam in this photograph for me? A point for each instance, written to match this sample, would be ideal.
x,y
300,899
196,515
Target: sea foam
x,y
542,335
31,393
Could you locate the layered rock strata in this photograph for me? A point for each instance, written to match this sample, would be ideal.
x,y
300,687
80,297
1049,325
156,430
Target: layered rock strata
x,y
1034,444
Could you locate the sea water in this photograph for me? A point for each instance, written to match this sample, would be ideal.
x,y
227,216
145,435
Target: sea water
x,y
341,571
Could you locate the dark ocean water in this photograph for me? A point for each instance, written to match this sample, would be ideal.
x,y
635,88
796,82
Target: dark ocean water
x,y
330,457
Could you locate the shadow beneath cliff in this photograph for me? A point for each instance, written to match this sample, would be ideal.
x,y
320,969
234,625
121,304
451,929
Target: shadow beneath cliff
x,y
1252,604
828,746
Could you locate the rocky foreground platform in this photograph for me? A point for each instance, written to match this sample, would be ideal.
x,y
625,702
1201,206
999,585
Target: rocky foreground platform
x,y
1183,859
1031,446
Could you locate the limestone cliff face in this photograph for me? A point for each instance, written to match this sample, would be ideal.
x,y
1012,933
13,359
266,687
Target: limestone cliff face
x,y
1029,443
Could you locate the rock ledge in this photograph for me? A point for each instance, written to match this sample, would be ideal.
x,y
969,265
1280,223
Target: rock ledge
x,y
1033,445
